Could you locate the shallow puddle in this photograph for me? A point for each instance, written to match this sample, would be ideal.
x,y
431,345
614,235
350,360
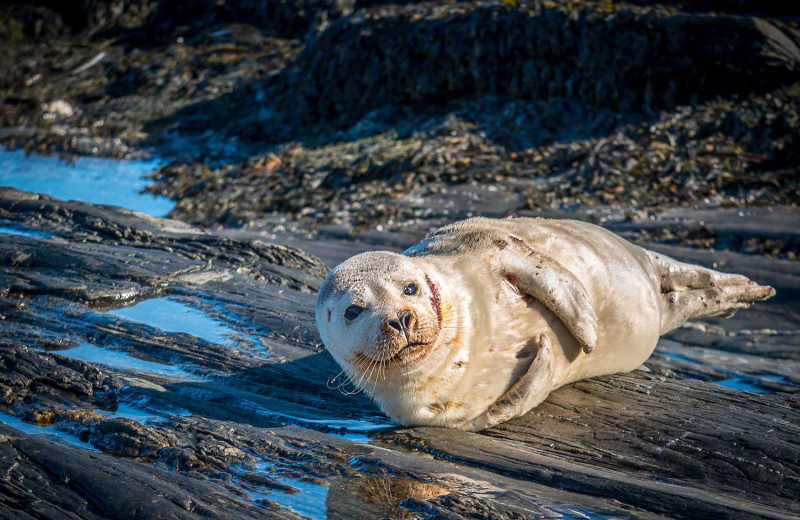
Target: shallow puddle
x,y
305,498
48,431
11,228
122,361
354,430
382,496
351,429
173,315
744,384
342,497
309,501
129,412
90,179
732,370
575,513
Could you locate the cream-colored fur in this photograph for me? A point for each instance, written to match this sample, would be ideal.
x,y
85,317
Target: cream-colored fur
x,y
480,321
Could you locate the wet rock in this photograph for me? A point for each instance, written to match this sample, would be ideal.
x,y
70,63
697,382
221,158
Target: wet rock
x,y
117,436
244,420
260,481
570,422
180,459
28,376
58,481
456,507
616,113
268,262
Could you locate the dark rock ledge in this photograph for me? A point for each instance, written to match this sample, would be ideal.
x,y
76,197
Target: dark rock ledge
x,y
231,432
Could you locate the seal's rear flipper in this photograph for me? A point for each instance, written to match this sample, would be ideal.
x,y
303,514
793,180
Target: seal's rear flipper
x,y
690,291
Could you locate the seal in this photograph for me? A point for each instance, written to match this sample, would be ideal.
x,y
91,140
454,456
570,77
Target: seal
x,y
480,321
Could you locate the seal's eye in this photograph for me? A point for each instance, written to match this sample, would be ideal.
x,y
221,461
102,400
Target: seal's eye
x,y
410,289
352,312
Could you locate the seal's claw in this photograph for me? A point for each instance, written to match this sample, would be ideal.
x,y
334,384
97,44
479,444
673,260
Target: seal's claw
x,y
766,292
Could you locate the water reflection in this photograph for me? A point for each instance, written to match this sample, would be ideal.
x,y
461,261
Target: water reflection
x,y
339,497
122,361
176,316
47,431
385,495
11,228
129,412
309,501
743,383
90,179
303,496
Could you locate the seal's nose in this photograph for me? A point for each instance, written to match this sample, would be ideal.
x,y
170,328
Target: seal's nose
x,y
403,323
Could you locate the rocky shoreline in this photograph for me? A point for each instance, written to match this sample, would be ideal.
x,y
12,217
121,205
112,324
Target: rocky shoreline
x,y
296,134
234,425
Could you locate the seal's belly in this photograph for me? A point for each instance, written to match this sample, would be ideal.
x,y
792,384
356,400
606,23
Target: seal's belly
x,y
500,350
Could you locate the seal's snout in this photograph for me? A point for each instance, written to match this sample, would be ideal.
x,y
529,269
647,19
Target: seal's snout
x,y
404,323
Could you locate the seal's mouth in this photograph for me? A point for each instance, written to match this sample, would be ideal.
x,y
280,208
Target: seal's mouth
x,y
409,353
412,352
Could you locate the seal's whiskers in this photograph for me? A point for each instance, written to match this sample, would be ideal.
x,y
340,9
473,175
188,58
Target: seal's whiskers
x,y
340,382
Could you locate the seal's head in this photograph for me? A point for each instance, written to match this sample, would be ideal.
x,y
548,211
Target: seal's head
x,y
380,315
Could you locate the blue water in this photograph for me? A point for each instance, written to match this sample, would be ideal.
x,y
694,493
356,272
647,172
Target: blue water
x,y
740,383
120,360
577,513
48,431
174,316
11,228
89,179
310,501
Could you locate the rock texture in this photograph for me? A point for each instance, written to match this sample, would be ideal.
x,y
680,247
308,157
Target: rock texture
x,y
110,415
171,368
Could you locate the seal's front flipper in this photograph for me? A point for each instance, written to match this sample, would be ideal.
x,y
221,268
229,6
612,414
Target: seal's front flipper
x,y
530,390
690,291
557,288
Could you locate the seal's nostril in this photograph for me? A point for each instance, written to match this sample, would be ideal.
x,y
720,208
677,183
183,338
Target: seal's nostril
x,y
403,323
405,320
395,324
